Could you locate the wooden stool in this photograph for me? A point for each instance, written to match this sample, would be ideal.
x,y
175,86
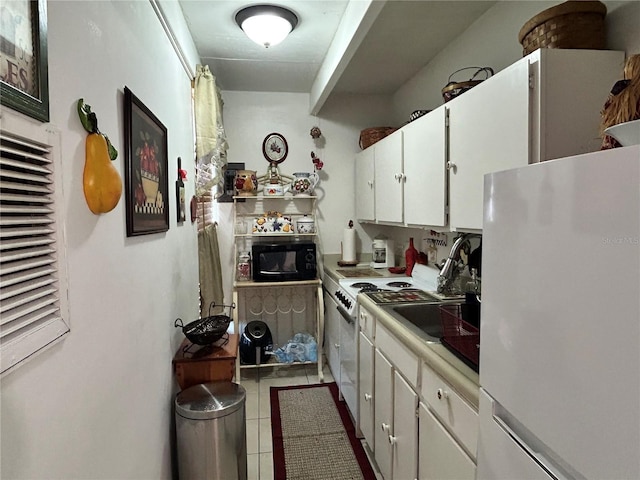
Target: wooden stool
x,y
194,364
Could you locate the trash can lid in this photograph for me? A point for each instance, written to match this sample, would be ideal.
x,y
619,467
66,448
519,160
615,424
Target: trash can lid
x,y
210,400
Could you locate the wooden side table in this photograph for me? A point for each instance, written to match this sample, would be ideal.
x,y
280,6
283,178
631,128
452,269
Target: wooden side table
x,y
205,364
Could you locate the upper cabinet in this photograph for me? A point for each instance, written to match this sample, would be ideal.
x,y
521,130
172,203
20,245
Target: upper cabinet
x,y
389,176
425,195
364,183
545,106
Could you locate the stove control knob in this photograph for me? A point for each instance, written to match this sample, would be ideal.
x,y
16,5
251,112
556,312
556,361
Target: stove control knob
x,y
339,295
348,303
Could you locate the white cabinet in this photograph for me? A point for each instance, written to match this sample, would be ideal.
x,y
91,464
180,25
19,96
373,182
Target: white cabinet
x,y
544,106
389,177
440,456
486,134
404,437
332,319
425,195
366,394
383,407
348,364
364,184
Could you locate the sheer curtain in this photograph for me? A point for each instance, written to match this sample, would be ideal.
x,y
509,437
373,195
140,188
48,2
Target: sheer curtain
x,y
211,149
211,141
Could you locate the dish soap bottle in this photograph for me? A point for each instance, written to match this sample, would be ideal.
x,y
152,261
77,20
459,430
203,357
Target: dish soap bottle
x,y
410,257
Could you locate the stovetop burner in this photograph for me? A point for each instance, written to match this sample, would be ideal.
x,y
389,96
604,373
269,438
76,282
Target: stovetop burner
x,y
399,284
363,285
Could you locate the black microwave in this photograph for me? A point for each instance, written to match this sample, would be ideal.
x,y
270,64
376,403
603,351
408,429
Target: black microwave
x,y
283,262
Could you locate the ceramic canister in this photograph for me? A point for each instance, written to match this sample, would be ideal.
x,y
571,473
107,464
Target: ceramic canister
x,y
246,183
306,224
304,183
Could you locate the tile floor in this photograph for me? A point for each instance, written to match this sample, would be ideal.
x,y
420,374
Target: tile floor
x,y
257,383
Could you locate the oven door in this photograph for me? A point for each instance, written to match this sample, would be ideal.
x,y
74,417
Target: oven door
x,y
348,362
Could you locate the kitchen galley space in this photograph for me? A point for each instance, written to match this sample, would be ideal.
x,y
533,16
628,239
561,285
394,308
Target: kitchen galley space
x,y
376,240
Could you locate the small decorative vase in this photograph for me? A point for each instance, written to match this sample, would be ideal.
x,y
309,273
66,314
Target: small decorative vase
x,y
246,183
304,183
410,257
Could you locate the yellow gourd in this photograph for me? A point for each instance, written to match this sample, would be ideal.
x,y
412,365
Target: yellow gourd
x,y
101,182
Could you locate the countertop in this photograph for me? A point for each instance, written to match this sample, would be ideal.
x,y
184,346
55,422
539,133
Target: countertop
x,y
464,380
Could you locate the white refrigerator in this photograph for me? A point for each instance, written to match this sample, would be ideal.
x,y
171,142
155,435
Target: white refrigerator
x,y
560,335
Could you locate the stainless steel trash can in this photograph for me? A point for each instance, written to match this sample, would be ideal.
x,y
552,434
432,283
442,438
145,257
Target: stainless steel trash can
x,y
211,432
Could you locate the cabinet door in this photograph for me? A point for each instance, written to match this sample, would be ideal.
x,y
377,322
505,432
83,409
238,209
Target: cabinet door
x,y
383,407
440,457
348,365
404,440
364,184
389,178
332,320
425,179
488,132
366,397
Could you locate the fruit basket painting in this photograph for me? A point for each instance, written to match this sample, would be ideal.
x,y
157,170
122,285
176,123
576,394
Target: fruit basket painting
x,y
146,162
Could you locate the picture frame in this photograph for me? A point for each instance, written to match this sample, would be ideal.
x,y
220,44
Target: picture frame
x,y
146,169
24,71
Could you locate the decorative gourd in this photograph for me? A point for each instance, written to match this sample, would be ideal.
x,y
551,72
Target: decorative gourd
x,y
101,181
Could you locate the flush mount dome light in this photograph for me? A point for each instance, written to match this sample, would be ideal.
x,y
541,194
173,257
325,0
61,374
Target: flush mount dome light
x,y
267,25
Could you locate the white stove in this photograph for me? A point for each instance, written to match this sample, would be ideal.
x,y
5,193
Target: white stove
x,y
421,286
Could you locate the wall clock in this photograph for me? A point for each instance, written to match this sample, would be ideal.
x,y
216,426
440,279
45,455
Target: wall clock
x,y
275,148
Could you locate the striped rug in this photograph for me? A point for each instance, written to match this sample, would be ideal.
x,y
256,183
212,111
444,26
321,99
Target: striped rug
x,y
314,437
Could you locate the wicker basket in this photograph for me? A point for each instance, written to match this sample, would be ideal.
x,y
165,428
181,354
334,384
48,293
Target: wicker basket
x,y
573,24
369,136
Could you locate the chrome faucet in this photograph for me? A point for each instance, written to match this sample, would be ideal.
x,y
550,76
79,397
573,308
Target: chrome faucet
x,y
450,270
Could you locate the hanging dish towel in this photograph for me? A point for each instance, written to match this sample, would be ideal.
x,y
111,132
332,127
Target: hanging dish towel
x,y
210,269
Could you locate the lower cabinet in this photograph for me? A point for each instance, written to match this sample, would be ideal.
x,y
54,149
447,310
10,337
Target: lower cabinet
x,y
366,399
396,425
383,408
404,440
440,456
332,320
416,425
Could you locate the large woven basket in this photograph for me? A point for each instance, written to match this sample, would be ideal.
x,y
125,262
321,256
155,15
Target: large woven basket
x,y
369,136
573,24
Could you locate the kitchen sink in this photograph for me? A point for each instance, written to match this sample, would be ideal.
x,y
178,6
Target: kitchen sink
x,y
422,318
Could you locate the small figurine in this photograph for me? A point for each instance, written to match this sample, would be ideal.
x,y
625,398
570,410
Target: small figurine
x,y
317,163
315,132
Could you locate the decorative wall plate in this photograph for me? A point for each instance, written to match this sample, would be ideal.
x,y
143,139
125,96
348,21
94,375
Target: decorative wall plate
x,y
275,148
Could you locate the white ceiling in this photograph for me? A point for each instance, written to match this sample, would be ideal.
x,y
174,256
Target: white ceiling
x,y
403,38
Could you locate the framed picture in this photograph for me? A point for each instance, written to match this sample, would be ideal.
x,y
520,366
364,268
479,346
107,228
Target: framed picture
x,y
24,75
146,164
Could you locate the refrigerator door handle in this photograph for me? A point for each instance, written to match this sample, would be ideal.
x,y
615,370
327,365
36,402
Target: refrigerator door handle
x,y
550,466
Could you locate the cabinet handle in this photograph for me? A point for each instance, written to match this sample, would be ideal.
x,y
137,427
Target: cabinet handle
x,y
336,345
385,427
452,166
367,397
370,183
442,394
393,440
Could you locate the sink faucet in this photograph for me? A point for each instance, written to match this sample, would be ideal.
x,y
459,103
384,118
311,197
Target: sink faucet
x,y
450,270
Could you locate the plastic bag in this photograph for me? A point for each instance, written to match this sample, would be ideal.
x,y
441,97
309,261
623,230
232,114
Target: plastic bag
x,y
301,348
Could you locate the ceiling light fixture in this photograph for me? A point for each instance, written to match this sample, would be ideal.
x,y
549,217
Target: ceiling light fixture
x,y
267,25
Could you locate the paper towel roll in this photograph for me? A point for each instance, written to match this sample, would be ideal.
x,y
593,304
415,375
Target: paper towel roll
x,y
349,245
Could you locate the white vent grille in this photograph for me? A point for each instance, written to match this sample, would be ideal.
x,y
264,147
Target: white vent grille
x,y
30,287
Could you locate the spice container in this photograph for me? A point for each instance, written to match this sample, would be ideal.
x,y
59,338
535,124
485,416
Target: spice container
x,y
244,267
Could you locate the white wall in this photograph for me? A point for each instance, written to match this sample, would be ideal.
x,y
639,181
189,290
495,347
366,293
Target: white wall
x,y
250,116
99,403
493,41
